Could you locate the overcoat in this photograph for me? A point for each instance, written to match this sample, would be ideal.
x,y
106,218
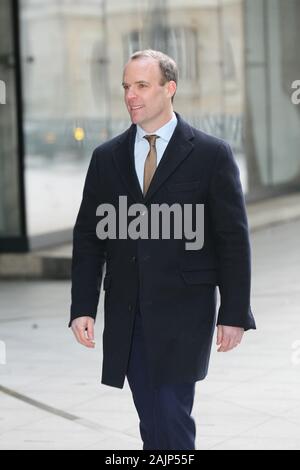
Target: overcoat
x,y
174,287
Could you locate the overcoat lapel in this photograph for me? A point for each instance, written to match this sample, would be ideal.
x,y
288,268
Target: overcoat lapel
x,y
178,149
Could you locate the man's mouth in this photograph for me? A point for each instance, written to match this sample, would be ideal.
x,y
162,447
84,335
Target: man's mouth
x,y
134,108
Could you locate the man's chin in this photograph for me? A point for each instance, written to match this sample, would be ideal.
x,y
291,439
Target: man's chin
x,y
137,117
135,120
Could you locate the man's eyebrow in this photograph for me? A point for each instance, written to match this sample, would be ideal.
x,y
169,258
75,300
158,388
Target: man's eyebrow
x,y
139,81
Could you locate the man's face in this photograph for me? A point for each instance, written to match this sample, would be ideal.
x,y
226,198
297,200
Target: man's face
x,y
148,102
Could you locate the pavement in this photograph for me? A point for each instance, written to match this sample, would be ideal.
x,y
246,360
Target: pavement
x,y
51,397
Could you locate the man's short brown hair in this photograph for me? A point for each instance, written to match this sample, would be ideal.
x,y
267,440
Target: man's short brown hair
x,y
167,65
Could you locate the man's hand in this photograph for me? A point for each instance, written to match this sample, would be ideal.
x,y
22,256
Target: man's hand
x,y
83,329
228,337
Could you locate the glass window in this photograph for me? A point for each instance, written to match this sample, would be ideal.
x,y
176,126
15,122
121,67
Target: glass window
x,y
272,32
65,104
181,44
236,64
10,218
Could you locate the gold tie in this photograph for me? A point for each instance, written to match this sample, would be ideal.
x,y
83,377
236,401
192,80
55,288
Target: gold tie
x,y
151,162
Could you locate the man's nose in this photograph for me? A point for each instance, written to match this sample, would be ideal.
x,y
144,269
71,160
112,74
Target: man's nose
x,y
131,94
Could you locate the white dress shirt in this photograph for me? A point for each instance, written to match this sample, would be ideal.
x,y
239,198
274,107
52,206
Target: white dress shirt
x,y
141,146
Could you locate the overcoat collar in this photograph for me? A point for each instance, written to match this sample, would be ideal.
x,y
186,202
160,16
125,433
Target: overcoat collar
x,y
177,150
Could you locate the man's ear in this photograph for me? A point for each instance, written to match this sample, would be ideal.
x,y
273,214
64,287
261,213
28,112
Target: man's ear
x,y
171,88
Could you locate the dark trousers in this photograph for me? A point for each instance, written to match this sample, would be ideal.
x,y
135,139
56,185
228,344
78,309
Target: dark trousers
x,y
165,410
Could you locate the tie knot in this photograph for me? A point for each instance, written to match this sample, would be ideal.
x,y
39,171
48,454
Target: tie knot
x,y
151,139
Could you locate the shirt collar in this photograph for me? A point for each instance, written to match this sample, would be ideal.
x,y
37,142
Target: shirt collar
x,y
165,132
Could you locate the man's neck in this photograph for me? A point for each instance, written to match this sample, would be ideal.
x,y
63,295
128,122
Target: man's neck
x,y
151,128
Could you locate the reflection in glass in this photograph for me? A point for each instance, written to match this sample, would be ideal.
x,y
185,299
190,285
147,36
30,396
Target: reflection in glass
x,y
73,53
